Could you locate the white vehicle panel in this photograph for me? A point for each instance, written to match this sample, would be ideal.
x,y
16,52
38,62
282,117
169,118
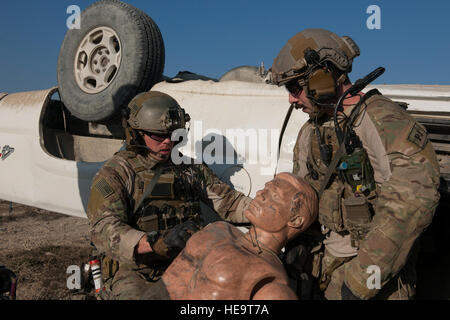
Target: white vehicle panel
x,y
31,176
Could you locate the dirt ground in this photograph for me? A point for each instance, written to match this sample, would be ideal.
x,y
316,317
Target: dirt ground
x,y
39,246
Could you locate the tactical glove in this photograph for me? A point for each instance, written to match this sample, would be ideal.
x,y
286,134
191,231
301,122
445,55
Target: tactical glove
x,y
172,242
347,294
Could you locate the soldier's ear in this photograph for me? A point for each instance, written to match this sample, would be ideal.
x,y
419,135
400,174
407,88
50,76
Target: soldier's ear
x,y
296,222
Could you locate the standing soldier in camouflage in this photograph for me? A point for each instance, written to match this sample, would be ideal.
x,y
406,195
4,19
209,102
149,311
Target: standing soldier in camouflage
x,y
139,234
383,191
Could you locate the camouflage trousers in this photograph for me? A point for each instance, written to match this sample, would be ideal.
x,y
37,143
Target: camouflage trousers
x,y
401,287
129,284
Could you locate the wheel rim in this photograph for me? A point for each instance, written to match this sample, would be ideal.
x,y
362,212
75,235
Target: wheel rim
x,y
98,60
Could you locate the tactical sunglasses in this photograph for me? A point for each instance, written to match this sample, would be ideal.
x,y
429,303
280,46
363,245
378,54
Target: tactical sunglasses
x,y
160,137
157,136
294,87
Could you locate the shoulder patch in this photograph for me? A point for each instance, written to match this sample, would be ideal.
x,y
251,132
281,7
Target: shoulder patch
x,y
103,188
418,136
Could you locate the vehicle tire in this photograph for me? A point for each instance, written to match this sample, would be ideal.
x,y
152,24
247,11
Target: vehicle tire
x,y
158,53
117,53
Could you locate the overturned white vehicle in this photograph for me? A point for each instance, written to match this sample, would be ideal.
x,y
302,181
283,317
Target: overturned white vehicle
x,y
52,147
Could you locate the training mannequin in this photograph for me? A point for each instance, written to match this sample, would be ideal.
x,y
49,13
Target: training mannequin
x,y
221,262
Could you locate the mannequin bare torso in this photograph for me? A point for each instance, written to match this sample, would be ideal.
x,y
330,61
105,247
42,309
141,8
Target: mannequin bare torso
x,y
229,267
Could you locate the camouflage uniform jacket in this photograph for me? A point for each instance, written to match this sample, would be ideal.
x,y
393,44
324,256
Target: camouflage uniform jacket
x,y
406,175
120,184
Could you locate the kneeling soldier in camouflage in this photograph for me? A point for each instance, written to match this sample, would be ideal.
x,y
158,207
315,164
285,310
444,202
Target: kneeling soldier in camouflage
x,y
142,207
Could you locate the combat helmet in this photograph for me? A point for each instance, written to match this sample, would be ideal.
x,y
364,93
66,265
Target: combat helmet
x,y
309,47
154,112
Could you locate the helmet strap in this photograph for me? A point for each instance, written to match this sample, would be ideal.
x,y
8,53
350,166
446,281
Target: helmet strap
x,y
135,139
341,80
127,129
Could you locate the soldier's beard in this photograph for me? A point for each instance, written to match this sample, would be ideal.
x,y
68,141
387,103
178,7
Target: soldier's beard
x,y
161,157
317,112
325,111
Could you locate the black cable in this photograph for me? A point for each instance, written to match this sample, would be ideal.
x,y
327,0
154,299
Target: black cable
x,y
354,90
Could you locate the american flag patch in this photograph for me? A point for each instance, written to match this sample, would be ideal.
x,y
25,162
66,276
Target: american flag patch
x,y
103,188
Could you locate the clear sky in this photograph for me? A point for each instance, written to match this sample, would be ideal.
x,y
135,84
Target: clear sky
x,y
210,37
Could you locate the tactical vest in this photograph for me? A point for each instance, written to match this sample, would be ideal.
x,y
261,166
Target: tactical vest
x,y
171,202
344,207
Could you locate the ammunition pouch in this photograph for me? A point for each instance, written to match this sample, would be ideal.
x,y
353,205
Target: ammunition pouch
x,y
163,216
330,208
353,214
357,218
